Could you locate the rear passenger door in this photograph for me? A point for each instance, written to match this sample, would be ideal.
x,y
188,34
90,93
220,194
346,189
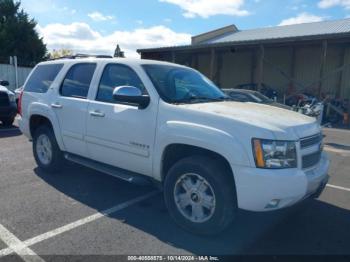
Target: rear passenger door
x,y
71,104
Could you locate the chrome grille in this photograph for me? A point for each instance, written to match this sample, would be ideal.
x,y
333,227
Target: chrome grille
x,y
4,99
310,141
312,158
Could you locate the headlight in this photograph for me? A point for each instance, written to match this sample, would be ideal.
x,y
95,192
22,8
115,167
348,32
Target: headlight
x,y
12,98
274,154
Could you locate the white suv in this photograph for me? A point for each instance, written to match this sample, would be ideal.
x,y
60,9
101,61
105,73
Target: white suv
x,y
144,121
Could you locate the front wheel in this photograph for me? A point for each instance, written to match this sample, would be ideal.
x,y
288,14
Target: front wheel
x,y
200,195
46,151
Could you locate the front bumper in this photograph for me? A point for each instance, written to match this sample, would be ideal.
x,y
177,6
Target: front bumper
x,y
8,111
258,188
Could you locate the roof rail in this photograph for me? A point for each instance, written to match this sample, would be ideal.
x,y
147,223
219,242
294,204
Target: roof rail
x,y
77,56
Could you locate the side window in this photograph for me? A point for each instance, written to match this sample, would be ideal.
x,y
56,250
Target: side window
x,y
77,81
42,78
115,75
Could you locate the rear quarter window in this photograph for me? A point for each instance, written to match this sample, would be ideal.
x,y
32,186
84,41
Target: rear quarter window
x,y
42,78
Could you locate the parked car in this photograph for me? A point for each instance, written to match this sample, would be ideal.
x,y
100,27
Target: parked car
x,y
266,90
8,107
244,95
149,121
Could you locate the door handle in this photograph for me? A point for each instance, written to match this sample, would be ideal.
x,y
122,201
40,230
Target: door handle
x,y
97,113
56,105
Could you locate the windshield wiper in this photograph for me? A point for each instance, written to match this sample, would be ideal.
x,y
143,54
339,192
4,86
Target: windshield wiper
x,y
194,99
203,99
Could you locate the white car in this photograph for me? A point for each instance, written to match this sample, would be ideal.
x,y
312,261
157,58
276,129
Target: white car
x,y
143,121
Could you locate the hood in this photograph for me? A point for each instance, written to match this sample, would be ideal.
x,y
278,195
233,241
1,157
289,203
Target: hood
x,y
284,124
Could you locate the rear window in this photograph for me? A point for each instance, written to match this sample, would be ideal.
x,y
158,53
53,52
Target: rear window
x,y
42,78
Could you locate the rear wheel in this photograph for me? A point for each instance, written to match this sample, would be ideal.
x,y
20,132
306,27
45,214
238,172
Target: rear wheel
x,y
200,195
46,151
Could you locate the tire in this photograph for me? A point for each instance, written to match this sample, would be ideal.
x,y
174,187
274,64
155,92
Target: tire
x,y
218,183
51,164
8,121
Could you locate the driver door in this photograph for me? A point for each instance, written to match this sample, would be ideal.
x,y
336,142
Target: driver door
x,y
121,135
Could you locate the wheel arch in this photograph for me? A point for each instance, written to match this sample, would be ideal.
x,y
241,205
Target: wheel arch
x,y
175,152
39,119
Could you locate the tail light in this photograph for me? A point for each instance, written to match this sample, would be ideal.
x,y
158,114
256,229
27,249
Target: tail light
x,y
19,106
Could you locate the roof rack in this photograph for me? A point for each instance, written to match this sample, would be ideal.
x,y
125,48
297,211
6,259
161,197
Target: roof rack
x,y
77,56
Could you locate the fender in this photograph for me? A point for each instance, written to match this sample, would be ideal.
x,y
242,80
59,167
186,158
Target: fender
x,y
206,137
41,109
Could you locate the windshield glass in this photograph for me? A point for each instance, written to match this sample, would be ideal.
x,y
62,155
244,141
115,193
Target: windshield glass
x,y
182,85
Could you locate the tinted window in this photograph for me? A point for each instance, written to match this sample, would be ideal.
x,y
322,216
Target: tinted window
x,y
115,75
42,78
77,81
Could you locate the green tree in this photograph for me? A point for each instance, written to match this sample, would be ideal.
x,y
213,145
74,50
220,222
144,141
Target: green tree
x,y
18,36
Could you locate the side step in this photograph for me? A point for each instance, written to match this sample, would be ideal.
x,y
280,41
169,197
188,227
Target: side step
x,y
125,175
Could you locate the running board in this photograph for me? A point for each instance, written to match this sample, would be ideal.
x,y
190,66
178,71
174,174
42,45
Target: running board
x,y
125,175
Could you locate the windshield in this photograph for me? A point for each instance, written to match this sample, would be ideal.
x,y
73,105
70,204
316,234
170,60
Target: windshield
x,y
182,85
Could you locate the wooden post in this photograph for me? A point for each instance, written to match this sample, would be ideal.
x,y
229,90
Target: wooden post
x,y
194,61
341,77
260,67
173,57
322,65
212,63
253,66
292,68
219,60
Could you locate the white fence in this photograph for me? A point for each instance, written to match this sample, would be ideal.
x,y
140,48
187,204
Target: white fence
x,y
7,72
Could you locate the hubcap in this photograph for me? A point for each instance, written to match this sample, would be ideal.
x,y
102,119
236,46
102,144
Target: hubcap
x,y
194,198
44,149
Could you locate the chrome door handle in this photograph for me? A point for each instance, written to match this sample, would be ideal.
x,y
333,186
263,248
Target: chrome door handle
x,y
97,113
56,105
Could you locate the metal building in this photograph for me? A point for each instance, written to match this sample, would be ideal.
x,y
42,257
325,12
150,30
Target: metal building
x,y
310,57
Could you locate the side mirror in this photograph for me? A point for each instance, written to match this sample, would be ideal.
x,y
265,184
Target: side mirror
x,y
130,95
4,83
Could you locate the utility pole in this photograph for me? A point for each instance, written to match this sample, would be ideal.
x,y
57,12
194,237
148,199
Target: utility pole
x,y
13,62
118,52
16,70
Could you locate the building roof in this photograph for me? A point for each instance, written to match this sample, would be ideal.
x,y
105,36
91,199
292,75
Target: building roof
x,y
297,32
288,31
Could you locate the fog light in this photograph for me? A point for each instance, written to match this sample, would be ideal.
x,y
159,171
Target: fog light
x,y
273,203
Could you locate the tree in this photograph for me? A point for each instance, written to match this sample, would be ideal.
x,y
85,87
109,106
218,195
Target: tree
x,y
18,36
60,53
